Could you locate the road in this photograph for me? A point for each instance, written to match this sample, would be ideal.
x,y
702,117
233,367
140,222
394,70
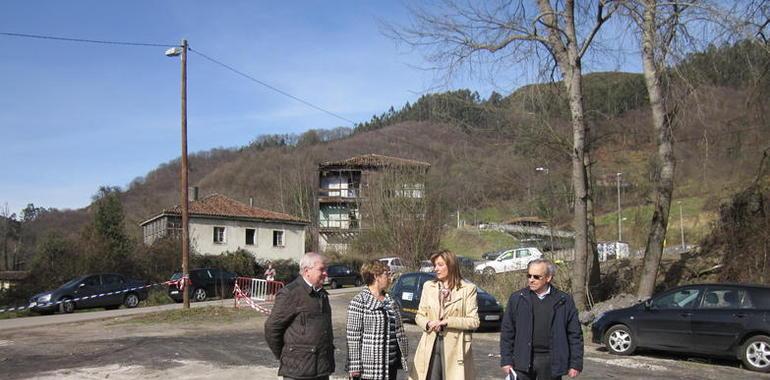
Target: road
x,y
103,344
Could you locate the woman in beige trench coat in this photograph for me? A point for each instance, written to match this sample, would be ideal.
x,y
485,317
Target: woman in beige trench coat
x,y
454,321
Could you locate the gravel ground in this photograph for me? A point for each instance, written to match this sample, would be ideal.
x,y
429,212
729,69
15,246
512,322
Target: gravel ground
x,y
231,345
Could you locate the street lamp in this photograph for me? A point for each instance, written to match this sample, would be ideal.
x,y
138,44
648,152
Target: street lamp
x,y
173,52
620,211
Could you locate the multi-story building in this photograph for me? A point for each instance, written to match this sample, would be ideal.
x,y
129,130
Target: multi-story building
x,y
346,186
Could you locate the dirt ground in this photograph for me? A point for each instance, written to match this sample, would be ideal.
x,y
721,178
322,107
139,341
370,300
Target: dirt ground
x,y
226,344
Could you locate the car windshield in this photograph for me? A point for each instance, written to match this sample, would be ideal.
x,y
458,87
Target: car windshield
x,y
72,282
176,276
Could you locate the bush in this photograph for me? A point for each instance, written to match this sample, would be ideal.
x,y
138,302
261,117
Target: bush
x,y
157,296
240,262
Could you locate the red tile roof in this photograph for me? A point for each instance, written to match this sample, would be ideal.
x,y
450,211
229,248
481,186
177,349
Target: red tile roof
x,y
375,160
217,205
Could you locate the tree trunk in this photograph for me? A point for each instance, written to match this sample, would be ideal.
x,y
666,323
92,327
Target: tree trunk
x,y
579,181
568,59
592,261
664,186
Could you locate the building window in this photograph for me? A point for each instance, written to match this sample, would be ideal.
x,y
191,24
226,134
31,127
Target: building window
x,y
278,239
250,232
219,235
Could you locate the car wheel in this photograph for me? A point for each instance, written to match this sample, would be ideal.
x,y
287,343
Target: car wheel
x,y
131,300
199,295
619,340
489,271
755,353
335,285
359,281
67,306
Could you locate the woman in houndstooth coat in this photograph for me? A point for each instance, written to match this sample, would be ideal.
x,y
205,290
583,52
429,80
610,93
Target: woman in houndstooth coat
x,y
377,345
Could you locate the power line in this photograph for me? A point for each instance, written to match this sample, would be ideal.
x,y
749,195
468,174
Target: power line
x,y
284,93
103,42
220,63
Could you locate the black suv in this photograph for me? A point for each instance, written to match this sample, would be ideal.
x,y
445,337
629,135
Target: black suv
x,y
407,291
338,275
722,320
204,283
107,290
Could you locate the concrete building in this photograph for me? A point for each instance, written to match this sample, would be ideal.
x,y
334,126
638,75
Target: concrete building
x,y
220,224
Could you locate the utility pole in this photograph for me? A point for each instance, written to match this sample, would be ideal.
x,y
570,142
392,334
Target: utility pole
x,y
681,224
183,183
620,211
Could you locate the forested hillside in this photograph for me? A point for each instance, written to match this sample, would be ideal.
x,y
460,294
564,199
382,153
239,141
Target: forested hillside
x,y
484,152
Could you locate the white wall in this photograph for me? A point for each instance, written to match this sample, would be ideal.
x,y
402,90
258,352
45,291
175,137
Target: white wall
x,y
202,238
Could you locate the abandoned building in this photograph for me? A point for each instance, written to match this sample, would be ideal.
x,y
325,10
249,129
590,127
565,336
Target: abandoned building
x,y
346,186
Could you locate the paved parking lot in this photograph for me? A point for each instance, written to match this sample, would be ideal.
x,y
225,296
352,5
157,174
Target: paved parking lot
x,y
114,348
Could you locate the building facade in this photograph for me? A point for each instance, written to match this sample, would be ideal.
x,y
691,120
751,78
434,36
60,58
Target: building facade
x,y
219,224
345,188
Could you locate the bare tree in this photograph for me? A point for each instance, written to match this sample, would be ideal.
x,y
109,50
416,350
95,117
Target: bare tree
x,y
553,34
665,39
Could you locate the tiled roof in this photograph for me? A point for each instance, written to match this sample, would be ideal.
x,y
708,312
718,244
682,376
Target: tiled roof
x,y
375,160
218,205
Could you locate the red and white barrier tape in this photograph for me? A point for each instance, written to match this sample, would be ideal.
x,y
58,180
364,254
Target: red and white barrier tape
x,y
239,295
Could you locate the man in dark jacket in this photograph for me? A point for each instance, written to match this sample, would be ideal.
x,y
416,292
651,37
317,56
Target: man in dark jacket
x,y
540,337
299,328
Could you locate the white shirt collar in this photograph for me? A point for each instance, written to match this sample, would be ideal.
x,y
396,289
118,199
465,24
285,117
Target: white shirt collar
x,y
545,293
311,285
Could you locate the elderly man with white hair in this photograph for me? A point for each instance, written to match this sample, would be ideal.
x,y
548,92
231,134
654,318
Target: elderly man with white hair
x,y
299,328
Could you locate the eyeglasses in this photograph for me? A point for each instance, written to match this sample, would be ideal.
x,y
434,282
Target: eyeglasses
x,y
535,276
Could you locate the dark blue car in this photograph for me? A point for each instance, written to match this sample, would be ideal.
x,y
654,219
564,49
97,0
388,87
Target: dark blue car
x,y
407,291
721,320
107,290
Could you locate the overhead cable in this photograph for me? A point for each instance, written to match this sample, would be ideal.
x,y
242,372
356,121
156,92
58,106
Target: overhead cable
x,y
103,42
284,93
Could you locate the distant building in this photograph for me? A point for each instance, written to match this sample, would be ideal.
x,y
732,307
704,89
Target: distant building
x,y
220,224
344,189
11,278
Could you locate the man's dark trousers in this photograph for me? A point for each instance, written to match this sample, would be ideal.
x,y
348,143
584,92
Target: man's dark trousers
x,y
541,368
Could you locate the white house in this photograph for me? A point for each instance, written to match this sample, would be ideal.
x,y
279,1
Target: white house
x,y
220,224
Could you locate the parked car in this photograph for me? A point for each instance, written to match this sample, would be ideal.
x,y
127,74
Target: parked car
x,y
493,254
510,260
338,275
426,266
111,291
721,320
204,283
407,291
396,264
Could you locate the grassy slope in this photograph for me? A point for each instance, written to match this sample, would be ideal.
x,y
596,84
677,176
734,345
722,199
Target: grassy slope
x,y
471,242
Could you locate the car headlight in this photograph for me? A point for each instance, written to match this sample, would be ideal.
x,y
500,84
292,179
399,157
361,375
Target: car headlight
x,y
44,298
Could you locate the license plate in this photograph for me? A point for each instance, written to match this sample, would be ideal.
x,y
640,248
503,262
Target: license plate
x,y
491,317
174,292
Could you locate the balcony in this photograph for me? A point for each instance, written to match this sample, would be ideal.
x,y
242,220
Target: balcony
x,y
338,195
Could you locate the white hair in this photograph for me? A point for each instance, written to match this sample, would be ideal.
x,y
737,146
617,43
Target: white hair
x,y
550,266
308,261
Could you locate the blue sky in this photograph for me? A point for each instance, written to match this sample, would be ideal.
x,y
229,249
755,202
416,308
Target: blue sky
x,y
75,116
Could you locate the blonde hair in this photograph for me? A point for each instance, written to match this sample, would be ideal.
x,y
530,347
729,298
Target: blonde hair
x,y
455,278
